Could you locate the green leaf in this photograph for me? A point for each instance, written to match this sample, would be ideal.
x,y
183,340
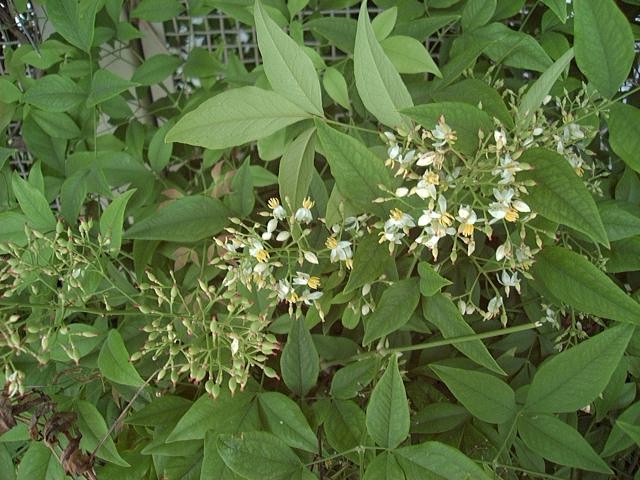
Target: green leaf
x,y
56,124
157,10
6,464
437,460
285,420
574,378
558,7
299,362
226,414
558,442
560,195
485,396
33,204
579,284
351,379
534,97
54,93
465,119
439,417
633,431
106,85
188,219
624,256
12,227
288,68
384,22
212,464
114,362
431,282
345,425
242,199
111,221
164,410
474,92
9,93
604,44
384,467
94,430
159,151
408,55
379,84
340,32
296,168
259,456
73,20
624,133
235,117
336,86
618,440
73,193
477,13
393,310
156,69
388,410
364,270
444,314
38,463
357,171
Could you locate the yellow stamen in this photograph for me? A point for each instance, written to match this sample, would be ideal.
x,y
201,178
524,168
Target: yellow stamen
x,y
262,256
512,215
331,243
432,178
446,219
273,203
308,203
292,297
465,229
396,214
349,263
313,282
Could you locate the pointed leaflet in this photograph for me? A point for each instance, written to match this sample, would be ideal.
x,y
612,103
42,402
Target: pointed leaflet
x,y
352,378
33,204
485,396
235,117
438,461
54,93
345,425
357,171
114,362
75,22
336,86
409,55
534,97
111,220
574,378
38,463
442,312
296,168
431,282
388,409
624,133
393,310
259,456
384,467
188,219
106,85
299,362
282,417
558,442
379,84
288,68
560,195
603,44
94,430
581,285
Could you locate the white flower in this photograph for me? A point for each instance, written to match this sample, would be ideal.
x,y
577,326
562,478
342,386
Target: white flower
x,y
311,257
286,292
508,169
501,139
235,346
307,280
393,151
467,218
505,207
303,214
340,250
509,281
277,210
427,158
397,226
271,227
257,250
309,297
494,307
443,134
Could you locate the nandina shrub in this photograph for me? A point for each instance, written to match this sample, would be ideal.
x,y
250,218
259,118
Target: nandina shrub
x,y
360,258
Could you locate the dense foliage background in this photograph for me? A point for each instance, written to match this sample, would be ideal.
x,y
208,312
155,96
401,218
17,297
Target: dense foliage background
x,y
403,245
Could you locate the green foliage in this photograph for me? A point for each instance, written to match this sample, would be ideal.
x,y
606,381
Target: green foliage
x,y
402,246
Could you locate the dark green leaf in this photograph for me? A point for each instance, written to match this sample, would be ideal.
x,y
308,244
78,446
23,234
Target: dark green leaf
x,y
114,362
579,284
431,282
33,204
38,463
156,69
351,379
384,467
572,379
393,310
560,443
485,396
296,168
188,219
106,85
388,409
111,221
73,20
285,420
299,362
624,133
94,430
54,93
157,10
